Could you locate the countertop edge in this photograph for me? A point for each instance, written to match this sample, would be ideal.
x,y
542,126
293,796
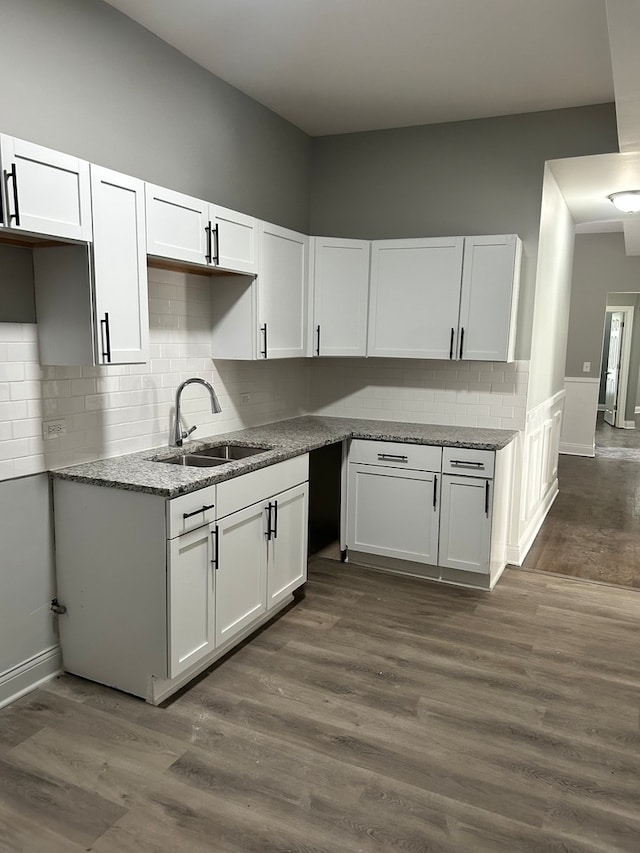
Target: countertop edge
x,y
129,472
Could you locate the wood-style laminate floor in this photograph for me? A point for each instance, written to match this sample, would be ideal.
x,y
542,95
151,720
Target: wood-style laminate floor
x,y
593,529
380,713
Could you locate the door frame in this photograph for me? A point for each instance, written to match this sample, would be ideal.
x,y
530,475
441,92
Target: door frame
x,y
625,359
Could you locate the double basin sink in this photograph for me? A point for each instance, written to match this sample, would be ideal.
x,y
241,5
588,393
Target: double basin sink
x,y
219,454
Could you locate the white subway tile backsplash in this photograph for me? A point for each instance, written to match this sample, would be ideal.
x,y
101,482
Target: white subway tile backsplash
x,y
479,394
124,408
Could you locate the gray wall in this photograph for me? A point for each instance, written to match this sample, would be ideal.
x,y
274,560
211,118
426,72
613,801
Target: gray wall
x,y
83,78
474,177
17,303
26,570
600,266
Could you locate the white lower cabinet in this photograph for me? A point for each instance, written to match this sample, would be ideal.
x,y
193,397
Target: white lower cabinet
x,y
156,590
240,571
407,512
465,524
190,599
287,543
394,512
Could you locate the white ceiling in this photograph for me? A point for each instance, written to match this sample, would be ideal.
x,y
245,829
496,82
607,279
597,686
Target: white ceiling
x,y
337,66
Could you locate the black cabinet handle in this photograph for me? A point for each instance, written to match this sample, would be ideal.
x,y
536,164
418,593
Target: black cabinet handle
x,y
12,173
461,341
207,257
263,330
216,257
460,463
105,334
215,543
451,342
486,499
186,515
268,530
275,519
391,457
318,343
435,491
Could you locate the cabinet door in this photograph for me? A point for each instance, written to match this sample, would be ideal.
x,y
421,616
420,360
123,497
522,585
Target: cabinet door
x,y
287,562
393,513
190,598
120,267
489,301
241,576
44,191
415,297
235,240
341,295
177,226
282,293
465,524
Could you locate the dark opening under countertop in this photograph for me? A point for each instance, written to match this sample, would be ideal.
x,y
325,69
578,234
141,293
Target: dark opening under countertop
x,y
144,471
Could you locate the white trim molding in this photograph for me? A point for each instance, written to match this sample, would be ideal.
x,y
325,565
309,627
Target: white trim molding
x,y
538,487
29,675
580,412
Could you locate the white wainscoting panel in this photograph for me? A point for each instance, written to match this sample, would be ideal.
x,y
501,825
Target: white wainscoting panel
x,y
580,410
538,487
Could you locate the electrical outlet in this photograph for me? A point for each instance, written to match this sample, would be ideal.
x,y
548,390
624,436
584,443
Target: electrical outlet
x,y
245,399
586,367
54,429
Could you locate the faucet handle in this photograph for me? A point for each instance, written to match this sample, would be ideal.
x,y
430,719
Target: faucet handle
x,y
188,432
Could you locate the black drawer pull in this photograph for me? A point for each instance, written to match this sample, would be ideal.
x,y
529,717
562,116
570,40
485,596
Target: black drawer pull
x,y
390,457
435,491
486,499
459,463
186,515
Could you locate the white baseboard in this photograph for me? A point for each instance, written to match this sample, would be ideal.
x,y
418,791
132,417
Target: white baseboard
x,y
628,425
577,449
27,676
601,407
637,410
517,553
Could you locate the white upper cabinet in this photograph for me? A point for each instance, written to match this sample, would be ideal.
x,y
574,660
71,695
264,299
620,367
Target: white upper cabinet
x,y
489,299
177,226
282,293
187,229
339,282
415,297
44,191
120,267
91,300
234,240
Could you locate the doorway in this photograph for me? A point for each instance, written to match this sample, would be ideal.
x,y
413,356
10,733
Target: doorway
x,y
619,393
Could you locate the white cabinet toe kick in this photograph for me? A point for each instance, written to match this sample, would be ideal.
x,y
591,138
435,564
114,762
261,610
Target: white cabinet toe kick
x,y
435,512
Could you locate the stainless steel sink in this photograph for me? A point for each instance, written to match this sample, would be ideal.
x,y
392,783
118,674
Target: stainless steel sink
x,y
216,455
192,459
231,451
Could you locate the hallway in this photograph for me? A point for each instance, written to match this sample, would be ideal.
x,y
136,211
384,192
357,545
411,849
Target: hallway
x,y
593,529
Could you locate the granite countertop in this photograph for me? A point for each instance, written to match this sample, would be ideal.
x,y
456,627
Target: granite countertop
x,y
144,471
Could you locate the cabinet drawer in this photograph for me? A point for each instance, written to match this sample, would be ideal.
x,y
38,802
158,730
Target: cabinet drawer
x,y
261,484
420,457
465,461
190,511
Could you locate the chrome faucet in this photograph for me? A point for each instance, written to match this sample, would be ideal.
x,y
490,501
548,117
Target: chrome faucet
x,y
180,434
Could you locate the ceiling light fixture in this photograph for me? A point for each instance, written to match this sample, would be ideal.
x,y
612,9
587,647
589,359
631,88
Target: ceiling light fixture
x,y
627,201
